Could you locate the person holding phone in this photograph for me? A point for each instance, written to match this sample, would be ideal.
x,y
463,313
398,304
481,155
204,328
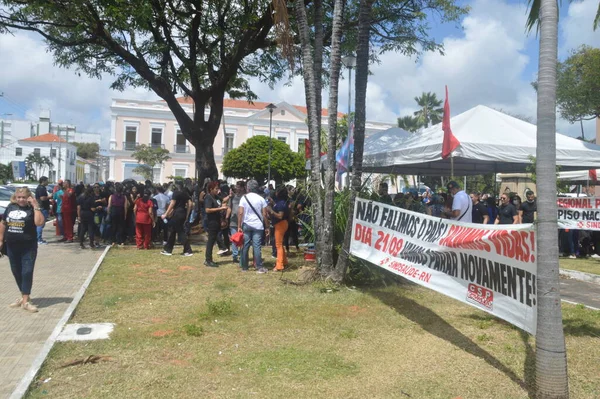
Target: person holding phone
x,y
18,233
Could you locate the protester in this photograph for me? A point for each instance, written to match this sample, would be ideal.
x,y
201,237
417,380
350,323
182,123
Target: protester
x,y
461,204
279,219
480,210
253,222
492,209
292,232
528,211
18,233
383,194
507,214
86,206
143,210
57,196
117,209
223,237
42,197
213,220
69,209
516,201
176,217
162,201
232,214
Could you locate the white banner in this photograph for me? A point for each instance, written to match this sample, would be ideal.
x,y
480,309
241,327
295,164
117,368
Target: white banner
x,y
579,213
491,267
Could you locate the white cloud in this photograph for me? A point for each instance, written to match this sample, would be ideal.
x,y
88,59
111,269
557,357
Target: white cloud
x,y
576,27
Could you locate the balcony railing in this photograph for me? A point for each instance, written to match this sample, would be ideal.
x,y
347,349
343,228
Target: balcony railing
x,y
129,145
156,145
181,148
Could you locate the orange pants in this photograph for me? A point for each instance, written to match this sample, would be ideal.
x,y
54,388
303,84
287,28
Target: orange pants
x,y
280,229
143,234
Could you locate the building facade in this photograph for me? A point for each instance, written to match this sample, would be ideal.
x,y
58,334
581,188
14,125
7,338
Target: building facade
x,y
152,123
61,155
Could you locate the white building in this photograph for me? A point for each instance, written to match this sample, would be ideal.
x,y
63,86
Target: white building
x,y
62,155
152,123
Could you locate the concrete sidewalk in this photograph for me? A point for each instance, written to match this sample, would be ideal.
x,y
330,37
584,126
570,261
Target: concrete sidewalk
x,y
60,271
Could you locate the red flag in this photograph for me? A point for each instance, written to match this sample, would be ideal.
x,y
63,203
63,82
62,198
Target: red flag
x,y
306,148
593,175
450,142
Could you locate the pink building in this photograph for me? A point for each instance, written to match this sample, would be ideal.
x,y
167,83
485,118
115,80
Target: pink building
x,y
151,122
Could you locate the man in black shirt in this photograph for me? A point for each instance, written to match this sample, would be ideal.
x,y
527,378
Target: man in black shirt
x,y
507,214
480,213
41,195
528,208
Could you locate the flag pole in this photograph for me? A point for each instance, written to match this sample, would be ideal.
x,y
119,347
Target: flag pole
x,y
452,165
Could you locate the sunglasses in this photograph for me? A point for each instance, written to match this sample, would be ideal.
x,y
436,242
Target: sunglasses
x,y
503,198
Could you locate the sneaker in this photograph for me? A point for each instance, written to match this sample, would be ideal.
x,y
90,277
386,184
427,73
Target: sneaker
x,y
62,239
222,252
82,246
43,242
210,263
69,241
572,257
262,270
17,303
187,254
165,253
595,256
30,307
236,260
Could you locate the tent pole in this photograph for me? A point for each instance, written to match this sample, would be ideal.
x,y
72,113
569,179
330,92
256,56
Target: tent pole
x,y
451,166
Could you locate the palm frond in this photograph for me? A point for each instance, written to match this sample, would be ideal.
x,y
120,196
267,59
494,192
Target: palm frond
x,y
597,19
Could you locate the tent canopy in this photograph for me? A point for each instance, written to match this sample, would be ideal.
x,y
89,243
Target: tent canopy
x,y
490,141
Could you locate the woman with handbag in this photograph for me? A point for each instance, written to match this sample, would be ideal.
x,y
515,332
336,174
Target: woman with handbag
x,y
18,237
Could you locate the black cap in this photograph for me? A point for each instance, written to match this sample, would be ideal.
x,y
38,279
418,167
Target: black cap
x,y
452,184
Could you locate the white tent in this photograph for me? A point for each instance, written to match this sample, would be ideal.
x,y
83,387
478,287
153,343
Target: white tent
x,y
490,141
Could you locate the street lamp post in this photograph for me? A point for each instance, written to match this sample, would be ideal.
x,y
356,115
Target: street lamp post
x,y
270,107
349,62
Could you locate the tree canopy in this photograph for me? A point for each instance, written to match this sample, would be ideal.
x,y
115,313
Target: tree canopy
x,y
149,157
87,150
409,123
431,111
251,161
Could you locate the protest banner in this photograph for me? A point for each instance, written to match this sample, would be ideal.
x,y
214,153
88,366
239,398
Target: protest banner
x,y
491,267
581,213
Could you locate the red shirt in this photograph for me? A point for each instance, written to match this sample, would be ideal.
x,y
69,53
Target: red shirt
x,y
68,200
142,215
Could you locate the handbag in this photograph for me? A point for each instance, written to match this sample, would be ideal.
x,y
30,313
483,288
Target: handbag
x,y
237,239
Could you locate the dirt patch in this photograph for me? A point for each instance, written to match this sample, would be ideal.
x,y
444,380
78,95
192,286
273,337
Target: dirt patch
x,y
136,265
162,333
157,320
184,268
179,362
165,271
357,309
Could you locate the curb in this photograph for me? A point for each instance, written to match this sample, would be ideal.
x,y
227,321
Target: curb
x,y
23,385
576,303
587,277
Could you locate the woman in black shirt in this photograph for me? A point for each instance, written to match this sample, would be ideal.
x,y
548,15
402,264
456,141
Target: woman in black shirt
x,y
86,206
176,217
213,220
18,233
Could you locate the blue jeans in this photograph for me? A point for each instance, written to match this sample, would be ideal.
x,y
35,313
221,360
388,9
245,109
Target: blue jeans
x,y
234,248
22,261
251,236
39,229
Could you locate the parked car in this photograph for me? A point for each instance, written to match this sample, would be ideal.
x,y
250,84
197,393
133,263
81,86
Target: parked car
x,y
5,195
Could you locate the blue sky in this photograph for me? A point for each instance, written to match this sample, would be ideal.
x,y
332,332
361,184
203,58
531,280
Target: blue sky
x,y
489,60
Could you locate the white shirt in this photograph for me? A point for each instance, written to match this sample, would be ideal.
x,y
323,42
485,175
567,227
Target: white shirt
x,y
250,217
463,203
162,200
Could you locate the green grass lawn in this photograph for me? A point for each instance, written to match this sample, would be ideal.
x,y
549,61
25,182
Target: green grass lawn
x,y
586,265
187,331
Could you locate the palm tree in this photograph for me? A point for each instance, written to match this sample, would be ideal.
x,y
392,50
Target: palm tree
x,y
551,355
362,76
327,236
34,161
534,15
430,109
409,123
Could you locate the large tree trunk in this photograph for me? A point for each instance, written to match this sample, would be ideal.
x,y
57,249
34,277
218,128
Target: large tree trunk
x,y
551,359
329,207
314,131
362,77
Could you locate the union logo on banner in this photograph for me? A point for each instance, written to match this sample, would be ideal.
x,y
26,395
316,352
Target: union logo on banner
x,y
480,296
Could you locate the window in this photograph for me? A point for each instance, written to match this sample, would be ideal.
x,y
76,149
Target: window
x,y
156,139
180,172
180,143
156,174
130,138
229,138
53,153
283,112
18,151
36,151
283,139
301,146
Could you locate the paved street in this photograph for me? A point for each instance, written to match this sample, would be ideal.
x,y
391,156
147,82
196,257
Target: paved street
x,y
60,271
580,292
